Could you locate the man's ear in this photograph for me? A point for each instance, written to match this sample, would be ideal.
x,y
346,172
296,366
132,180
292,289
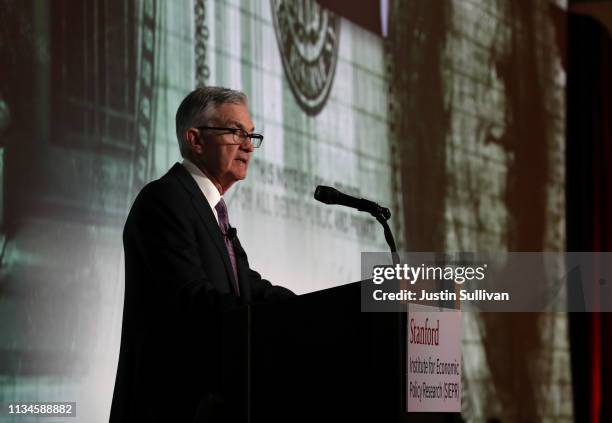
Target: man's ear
x,y
192,135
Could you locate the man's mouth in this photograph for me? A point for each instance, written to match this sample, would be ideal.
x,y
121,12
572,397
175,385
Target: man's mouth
x,y
243,160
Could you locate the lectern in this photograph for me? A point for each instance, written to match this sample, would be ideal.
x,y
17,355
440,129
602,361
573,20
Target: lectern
x,y
317,358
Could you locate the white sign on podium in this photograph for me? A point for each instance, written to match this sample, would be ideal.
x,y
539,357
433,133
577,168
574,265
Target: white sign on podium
x,y
433,360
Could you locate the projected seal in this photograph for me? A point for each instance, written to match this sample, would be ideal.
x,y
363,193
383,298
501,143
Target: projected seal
x,y
307,38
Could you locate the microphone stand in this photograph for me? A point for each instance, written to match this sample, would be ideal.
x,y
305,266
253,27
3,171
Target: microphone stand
x,y
330,195
382,217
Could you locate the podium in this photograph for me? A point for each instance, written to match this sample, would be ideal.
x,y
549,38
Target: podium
x,y
317,358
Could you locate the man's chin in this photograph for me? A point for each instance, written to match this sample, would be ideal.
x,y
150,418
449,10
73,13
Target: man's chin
x,y
236,177
240,172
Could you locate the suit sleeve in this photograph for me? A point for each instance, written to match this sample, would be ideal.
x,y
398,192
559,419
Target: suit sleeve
x,y
261,289
163,239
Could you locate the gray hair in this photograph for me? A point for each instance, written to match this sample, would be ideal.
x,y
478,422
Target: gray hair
x,y
200,107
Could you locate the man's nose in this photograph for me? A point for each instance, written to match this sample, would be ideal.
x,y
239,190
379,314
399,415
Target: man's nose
x,y
247,146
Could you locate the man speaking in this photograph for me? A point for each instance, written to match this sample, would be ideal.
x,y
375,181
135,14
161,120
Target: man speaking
x,y
184,266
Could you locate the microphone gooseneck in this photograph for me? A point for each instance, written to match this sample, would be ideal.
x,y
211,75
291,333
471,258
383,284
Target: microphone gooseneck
x,y
329,195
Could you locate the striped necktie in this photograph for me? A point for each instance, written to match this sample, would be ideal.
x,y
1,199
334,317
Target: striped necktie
x,y
225,226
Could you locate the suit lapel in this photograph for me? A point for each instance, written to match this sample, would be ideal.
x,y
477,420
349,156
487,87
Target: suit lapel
x,y
208,218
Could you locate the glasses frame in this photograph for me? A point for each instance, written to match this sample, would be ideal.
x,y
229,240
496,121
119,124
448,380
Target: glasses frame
x,y
256,139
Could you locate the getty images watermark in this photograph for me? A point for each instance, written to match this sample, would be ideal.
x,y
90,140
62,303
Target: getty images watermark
x,y
488,282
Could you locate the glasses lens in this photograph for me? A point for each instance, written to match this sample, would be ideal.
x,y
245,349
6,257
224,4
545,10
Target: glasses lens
x,y
240,136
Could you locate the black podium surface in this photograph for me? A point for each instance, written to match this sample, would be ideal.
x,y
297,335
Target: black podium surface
x,y
317,358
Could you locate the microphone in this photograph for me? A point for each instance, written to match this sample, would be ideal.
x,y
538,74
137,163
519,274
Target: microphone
x,y
329,195
231,233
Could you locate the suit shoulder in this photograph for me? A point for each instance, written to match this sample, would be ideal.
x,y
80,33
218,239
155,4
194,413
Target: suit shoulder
x,y
165,193
166,188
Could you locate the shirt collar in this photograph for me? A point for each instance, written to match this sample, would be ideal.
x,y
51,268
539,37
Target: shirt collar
x,y
210,191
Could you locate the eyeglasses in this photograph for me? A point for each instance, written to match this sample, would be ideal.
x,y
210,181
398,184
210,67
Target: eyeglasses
x,y
240,135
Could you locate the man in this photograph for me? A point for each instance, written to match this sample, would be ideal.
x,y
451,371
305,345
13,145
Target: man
x,y
184,266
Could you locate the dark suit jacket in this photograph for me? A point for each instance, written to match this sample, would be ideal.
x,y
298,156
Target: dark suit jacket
x,y
178,281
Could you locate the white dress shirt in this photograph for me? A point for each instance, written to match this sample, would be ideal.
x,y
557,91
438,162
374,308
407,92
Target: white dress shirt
x,y
207,187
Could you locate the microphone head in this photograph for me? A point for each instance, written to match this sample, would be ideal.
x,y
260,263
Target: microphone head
x,y
231,233
327,195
